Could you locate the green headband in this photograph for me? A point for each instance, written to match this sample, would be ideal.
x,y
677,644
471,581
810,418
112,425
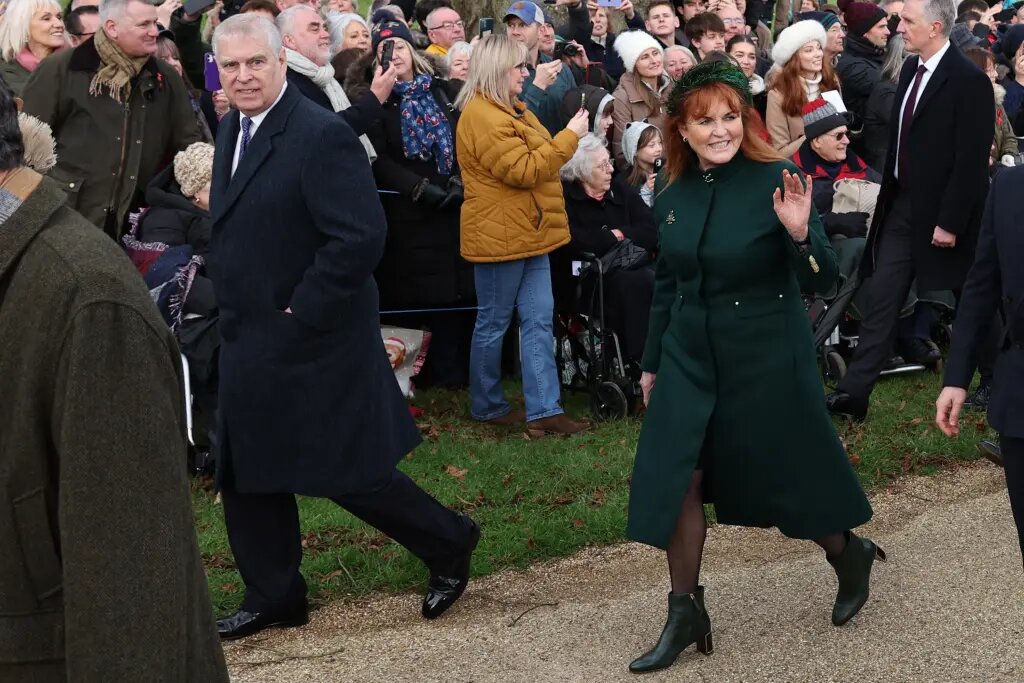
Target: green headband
x,y
704,74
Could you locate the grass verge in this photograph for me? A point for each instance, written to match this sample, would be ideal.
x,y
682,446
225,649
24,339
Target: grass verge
x,y
542,499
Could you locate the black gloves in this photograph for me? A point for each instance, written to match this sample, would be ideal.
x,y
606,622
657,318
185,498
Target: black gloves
x,y
853,224
435,197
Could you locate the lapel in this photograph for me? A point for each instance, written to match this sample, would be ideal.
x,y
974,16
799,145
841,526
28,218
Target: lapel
x,y
936,81
259,149
227,136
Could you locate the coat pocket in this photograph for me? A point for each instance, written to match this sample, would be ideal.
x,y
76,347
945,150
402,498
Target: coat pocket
x,y
31,522
70,182
760,307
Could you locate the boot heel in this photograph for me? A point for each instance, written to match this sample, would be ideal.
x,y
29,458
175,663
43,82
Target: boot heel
x,y
706,645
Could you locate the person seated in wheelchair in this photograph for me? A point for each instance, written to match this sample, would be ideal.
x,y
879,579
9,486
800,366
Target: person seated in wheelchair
x,y
607,221
844,193
168,242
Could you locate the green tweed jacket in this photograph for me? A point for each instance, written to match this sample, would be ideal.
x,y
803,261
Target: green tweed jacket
x,y
100,574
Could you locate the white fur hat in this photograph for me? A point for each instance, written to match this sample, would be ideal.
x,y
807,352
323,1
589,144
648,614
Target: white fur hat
x,y
631,44
795,37
631,139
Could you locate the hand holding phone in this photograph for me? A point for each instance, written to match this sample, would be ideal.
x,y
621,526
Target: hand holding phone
x,y
486,26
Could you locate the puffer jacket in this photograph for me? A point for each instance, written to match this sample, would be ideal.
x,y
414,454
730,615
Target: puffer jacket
x,y
859,69
514,207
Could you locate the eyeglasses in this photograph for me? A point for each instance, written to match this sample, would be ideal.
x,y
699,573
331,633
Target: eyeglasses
x,y
606,164
840,135
449,25
522,66
734,21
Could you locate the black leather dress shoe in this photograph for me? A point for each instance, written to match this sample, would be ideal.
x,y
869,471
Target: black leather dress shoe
x,y
979,399
243,623
444,589
844,405
991,452
921,351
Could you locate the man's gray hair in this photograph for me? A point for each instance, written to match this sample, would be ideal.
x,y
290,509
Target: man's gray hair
x,y
286,19
581,166
248,25
113,9
428,24
943,11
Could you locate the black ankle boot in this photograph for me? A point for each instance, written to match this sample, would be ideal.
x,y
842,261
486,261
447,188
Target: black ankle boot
x,y
853,568
688,623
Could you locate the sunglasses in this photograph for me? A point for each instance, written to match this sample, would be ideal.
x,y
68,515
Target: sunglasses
x,y
840,135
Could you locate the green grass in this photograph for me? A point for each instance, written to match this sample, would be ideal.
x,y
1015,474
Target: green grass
x,y
542,499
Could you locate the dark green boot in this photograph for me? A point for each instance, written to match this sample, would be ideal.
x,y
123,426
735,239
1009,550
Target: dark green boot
x,y
688,623
853,568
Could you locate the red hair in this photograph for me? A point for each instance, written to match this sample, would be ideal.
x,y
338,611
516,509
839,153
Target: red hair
x,y
790,84
697,103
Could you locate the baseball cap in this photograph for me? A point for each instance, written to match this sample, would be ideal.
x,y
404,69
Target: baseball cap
x,y
528,12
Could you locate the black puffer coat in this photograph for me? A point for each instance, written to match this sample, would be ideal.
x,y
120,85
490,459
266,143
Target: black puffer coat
x,y
421,267
175,221
859,69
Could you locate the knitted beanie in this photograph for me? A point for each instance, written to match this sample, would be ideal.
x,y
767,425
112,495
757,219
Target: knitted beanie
x,y
820,117
861,16
193,168
631,138
631,44
826,19
385,27
795,37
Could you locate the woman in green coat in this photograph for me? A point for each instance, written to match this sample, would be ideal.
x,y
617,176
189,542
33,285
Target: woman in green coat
x,y
735,417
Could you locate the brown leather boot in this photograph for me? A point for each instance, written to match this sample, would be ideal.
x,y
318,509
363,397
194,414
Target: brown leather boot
x,y
513,419
556,424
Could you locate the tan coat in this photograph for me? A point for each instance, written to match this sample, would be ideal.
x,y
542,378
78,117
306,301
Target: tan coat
x,y
513,208
787,131
630,106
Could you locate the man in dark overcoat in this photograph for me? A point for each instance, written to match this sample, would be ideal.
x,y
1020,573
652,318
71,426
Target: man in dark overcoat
x,y
995,283
933,190
308,401
100,573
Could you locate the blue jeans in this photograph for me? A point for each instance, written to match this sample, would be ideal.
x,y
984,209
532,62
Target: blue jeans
x,y
524,286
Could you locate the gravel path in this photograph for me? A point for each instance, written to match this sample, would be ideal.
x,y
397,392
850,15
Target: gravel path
x,y
948,606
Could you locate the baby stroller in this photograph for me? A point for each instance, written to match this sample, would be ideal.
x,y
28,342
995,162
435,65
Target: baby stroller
x,y
587,353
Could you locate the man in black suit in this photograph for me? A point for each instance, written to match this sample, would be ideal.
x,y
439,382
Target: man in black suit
x,y
996,281
308,401
933,190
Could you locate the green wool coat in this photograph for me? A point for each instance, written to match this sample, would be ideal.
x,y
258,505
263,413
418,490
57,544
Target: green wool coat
x,y
100,574
737,386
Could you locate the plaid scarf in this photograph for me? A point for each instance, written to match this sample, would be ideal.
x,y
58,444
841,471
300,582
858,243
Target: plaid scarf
x,y
117,70
425,129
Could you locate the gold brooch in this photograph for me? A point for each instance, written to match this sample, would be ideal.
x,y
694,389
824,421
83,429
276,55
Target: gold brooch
x,y
671,218
814,264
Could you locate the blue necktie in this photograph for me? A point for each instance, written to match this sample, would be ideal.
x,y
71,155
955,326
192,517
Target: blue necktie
x,y
246,138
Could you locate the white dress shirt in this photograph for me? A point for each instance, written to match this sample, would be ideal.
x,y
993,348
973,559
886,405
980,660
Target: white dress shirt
x,y
256,121
930,67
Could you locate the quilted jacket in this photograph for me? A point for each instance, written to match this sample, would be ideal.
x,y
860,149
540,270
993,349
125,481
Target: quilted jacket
x,y
513,207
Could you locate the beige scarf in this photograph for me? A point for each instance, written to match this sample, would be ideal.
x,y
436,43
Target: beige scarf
x,y
117,69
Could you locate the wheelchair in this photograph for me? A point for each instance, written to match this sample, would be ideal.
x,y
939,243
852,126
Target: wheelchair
x,y
588,354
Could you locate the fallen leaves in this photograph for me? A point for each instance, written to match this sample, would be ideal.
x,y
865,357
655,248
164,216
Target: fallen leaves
x,y
453,471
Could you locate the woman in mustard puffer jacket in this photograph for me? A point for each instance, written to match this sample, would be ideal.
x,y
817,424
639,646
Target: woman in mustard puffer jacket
x,y
512,218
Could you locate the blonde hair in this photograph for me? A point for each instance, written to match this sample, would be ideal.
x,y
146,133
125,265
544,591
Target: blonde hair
x,y
14,28
493,56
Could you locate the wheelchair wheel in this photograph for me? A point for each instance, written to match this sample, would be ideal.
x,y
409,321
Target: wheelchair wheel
x,y
833,368
608,402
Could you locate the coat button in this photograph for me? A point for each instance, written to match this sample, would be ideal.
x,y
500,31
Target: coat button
x,y
138,142
71,185
780,296
131,177
737,303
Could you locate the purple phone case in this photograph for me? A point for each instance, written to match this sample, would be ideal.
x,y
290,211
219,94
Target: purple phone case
x,y
211,73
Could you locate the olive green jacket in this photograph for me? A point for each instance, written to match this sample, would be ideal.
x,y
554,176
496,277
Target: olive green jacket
x,y
100,574
108,152
15,75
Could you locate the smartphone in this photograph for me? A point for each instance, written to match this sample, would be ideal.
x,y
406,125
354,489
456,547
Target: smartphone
x,y
658,164
614,4
583,101
195,8
486,26
211,74
385,55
